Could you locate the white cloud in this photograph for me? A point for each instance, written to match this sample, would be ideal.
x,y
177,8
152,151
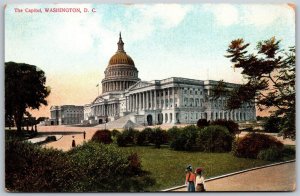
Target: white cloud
x,y
170,15
77,33
262,15
224,14
259,15
153,17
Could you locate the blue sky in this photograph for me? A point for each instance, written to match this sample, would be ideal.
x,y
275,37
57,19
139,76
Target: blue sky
x,y
164,40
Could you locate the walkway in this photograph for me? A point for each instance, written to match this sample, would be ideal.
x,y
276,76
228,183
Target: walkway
x,y
275,178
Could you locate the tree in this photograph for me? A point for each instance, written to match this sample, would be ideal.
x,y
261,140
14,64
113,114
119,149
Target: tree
x,y
24,89
270,75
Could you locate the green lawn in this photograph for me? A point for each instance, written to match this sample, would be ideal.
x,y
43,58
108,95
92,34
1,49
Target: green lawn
x,y
168,166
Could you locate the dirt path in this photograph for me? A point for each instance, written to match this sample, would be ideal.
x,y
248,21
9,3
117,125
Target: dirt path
x,y
275,178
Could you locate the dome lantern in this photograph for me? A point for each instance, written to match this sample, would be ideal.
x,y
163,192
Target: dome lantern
x,y
120,44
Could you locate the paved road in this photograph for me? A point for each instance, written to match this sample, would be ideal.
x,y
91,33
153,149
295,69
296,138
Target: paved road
x,y
276,178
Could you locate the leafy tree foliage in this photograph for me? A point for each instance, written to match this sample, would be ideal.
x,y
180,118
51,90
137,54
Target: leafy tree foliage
x,y
24,89
272,124
202,123
270,75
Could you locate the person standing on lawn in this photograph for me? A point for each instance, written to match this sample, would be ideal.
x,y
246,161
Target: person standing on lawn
x,y
200,186
190,179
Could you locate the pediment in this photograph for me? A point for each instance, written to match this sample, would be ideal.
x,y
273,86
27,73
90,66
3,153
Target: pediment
x,y
98,100
140,84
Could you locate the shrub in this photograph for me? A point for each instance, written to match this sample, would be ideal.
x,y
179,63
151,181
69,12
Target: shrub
x,y
115,133
202,123
251,144
121,140
173,133
158,137
134,162
102,136
31,168
289,151
272,124
143,137
270,154
232,127
128,136
107,168
214,138
185,139
90,167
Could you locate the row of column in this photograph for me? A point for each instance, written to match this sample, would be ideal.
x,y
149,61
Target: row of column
x,y
148,100
112,110
116,86
232,115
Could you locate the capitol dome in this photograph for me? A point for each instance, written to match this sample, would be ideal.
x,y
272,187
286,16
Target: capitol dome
x,y
121,58
121,72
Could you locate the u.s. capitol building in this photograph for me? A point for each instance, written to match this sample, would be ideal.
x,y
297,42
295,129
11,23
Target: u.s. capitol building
x,y
173,100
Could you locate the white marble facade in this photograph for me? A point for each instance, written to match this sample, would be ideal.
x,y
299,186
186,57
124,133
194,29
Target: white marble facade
x,y
172,100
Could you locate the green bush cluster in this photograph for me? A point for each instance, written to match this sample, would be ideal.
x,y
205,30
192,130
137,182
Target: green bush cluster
x,y
277,154
88,168
107,168
251,144
143,138
127,137
148,136
289,151
270,154
232,126
102,136
214,138
31,168
211,138
183,138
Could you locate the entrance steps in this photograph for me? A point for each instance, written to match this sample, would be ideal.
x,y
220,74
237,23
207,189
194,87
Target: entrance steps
x,y
124,122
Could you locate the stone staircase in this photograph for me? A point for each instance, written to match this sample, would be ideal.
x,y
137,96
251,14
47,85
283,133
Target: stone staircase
x,y
121,123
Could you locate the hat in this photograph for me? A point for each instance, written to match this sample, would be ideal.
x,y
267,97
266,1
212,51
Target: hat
x,y
199,169
189,168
